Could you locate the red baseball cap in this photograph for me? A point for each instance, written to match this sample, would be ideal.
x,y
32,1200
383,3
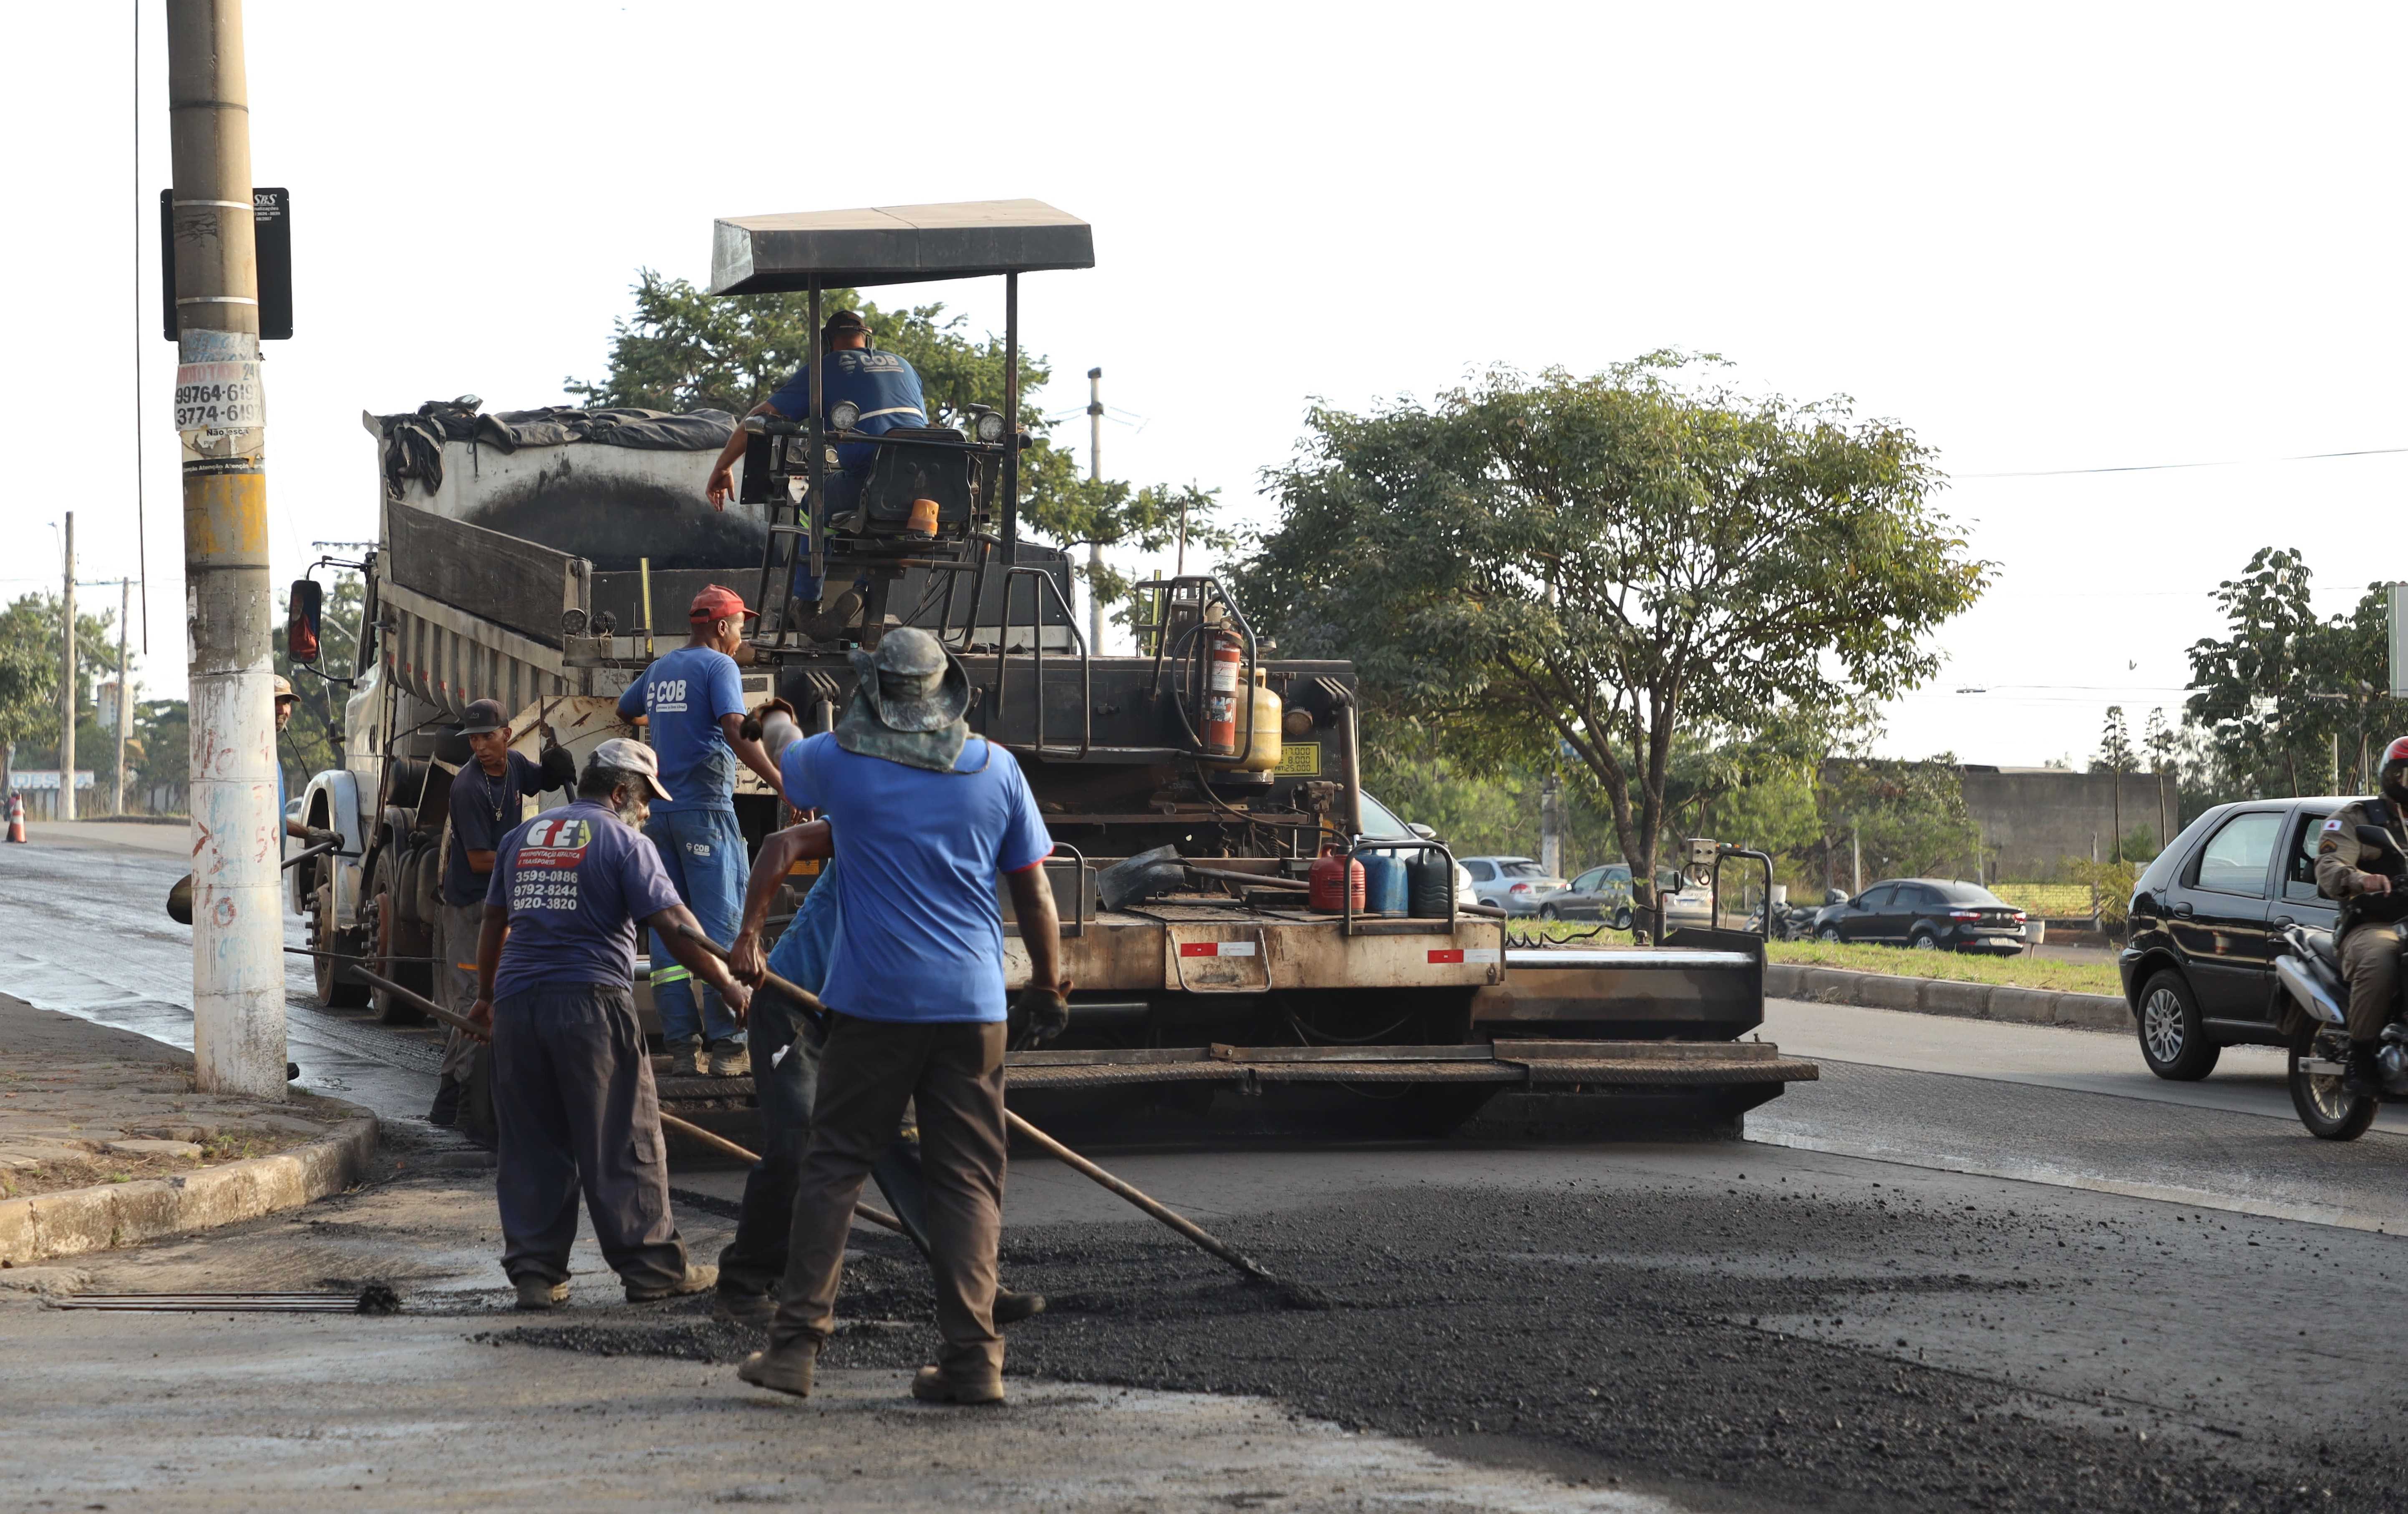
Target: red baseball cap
x,y
717,603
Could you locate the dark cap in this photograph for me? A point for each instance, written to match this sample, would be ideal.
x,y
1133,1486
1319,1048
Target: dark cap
x,y
843,323
482,717
718,602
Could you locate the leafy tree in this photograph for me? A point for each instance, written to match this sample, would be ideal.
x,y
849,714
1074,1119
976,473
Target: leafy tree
x,y
1906,820
2115,758
29,681
1610,565
684,350
160,748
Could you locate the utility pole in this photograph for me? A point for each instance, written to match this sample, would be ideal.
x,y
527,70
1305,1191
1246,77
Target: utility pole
x,y
67,810
1551,826
222,419
1857,863
1095,475
125,699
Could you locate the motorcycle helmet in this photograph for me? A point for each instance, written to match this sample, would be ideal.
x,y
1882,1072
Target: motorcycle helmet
x,y
2393,778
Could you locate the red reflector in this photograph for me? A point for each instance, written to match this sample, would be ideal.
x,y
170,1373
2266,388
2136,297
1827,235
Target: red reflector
x,y
1446,954
1199,949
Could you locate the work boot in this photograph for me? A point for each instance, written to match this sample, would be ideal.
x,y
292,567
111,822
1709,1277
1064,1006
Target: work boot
x,y
536,1293
446,1112
935,1385
784,1369
1011,1308
686,1059
698,1275
730,1058
2363,1079
734,1307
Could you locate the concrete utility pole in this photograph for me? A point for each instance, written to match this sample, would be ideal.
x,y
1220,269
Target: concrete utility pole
x,y
1551,826
67,810
1095,475
125,699
221,416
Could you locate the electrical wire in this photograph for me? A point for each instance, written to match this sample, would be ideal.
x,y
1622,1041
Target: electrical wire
x,y
2162,467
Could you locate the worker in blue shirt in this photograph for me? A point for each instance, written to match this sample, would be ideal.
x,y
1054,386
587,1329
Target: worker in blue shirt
x,y
882,385
692,702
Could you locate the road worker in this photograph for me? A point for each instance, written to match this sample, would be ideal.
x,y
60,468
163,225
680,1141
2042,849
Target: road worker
x,y
488,801
286,703
924,817
573,1095
785,1069
692,702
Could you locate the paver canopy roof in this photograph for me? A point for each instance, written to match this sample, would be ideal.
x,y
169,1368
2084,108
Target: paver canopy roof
x,y
894,244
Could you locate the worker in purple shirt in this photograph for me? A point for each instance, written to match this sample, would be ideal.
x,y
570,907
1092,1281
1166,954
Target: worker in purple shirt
x,y
692,702
573,1095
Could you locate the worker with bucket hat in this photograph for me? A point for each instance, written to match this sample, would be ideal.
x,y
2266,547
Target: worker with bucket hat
x,y
692,702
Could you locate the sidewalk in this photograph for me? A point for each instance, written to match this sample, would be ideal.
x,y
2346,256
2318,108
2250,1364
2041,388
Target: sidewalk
x,y
127,835
104,1142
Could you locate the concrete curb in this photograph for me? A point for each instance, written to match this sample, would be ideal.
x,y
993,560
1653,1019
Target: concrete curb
x,y
112,1215
1945,995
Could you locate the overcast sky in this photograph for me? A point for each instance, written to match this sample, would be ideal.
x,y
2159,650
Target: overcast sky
x,y
2044,237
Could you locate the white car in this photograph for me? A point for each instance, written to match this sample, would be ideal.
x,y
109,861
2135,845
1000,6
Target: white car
x,y
1516,885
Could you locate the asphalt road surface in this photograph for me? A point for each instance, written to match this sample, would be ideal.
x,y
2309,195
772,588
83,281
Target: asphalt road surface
x,y
1977,1265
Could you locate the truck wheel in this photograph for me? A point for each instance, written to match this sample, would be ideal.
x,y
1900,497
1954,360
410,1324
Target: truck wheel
x,y
391,933
2328,1113
334,990
2172,1041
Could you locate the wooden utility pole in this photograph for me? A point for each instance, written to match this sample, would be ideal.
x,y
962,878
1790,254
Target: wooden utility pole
x,y
1095,475
67,810
125,699
221,421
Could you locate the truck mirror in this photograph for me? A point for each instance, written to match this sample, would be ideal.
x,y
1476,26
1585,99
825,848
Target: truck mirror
x,y
303,615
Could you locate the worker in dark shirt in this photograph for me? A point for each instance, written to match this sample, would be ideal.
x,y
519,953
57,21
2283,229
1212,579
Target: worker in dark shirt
x,y
488,801
573,1090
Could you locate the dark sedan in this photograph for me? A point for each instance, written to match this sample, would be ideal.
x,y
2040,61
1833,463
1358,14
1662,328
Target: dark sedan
x,y
1926,913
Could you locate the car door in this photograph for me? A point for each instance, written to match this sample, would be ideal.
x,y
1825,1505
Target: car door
x,y
1917,904
1866,918
1483,879
2217,913
2297,900
1582,901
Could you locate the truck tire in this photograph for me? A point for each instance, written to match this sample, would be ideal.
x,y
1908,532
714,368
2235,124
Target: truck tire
x,y
336,988
394,937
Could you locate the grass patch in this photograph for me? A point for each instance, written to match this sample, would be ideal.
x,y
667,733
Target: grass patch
x,y
2024,971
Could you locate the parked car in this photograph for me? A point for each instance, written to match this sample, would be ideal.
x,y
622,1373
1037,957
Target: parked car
x,y
1516,885
2198,961
1926,913
1598,894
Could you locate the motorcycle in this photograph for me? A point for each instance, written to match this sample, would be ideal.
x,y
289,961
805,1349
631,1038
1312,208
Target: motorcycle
x,y
2307,964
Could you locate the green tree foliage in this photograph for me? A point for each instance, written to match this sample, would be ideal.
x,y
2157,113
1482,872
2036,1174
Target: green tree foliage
x,y
29,682
2272,699
1908,819
1612,566
160,749
684,350
2115,758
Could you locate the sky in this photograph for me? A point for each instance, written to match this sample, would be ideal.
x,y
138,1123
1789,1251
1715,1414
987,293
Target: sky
x,y
2044,237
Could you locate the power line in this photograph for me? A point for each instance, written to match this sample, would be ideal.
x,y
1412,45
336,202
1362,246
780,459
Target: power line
x,y
2159,468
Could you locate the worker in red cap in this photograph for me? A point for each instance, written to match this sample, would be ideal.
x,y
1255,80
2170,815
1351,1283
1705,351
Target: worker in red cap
x,y
692,702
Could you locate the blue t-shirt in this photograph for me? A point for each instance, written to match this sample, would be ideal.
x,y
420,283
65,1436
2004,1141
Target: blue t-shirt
x,y
918,935
881,384
484,809
575,880
801,955
684,696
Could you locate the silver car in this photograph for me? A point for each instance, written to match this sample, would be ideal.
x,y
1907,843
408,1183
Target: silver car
x,y
1516,885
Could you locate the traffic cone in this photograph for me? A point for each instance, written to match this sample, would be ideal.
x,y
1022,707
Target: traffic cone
x,y
16,816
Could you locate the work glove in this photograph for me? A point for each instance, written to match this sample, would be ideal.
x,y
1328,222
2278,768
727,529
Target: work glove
x,y
559,769
1043,1011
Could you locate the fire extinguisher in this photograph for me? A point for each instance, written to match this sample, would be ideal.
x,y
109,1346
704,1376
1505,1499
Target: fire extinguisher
x,y
1224,655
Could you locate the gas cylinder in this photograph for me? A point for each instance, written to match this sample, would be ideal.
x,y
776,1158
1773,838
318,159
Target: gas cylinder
x,y
1224,655
1334,877
1263,756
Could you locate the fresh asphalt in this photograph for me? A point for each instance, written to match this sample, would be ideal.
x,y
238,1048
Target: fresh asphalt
x,y
1976,1264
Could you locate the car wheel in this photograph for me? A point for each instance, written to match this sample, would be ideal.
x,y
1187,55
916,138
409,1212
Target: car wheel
x,y
2328,1113
1622,919
2172,1041
1547,911
1830,933
1923,939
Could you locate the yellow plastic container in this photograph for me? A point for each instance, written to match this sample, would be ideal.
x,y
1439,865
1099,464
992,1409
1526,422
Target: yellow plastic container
x,y
1266,754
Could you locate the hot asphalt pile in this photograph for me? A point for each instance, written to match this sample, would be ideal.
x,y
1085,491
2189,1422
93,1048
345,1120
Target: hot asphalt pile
x,y
1668,1335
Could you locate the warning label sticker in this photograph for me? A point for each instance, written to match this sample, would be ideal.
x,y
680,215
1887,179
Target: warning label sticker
x,y
1216,948
1299,759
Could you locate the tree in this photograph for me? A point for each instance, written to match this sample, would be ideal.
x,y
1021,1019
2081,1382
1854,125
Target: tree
x,y
2115,758
2164,748
1905,819
684,350
29,677
1610,565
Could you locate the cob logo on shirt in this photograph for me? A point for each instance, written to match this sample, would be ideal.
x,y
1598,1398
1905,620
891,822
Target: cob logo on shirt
x,y
544,876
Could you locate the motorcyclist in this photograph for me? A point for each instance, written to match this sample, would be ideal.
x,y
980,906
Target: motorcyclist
x,y
2370,914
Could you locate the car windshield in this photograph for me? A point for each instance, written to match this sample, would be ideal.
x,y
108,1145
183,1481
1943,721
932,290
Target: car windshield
x,y
1379,821
1967,893
1521,867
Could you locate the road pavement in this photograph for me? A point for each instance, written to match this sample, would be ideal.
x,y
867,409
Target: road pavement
x,y
1976,1264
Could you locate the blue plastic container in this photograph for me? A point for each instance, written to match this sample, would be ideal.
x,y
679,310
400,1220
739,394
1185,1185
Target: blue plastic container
x,y
1383,883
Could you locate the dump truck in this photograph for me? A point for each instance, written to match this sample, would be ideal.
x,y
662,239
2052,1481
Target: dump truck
x,y
1192,789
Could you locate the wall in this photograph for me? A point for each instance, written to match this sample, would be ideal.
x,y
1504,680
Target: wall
x,y
2033,818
